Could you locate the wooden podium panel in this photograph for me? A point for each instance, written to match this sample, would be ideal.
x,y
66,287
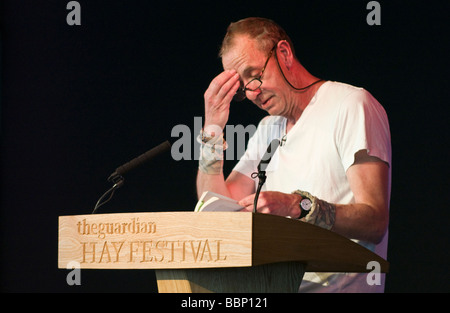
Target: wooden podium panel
x,y
210,251
156,240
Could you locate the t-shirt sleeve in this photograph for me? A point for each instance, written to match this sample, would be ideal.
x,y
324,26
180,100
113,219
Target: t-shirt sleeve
x,y
362,125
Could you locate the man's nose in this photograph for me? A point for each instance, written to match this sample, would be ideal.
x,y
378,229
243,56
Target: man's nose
x,y
252,95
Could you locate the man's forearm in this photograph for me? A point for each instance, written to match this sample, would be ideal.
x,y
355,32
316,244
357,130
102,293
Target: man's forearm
x,y
210,169
356,221
361,221
211,182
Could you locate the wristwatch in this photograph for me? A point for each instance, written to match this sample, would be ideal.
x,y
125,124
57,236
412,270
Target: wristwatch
x,y
306,203
305,206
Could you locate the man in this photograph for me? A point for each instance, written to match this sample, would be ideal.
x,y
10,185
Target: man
x,y
335,150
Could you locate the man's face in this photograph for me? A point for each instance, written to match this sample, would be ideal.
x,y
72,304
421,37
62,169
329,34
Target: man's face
x,y
248,61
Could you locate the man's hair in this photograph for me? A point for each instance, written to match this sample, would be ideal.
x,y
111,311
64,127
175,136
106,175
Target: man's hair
x,y
266,32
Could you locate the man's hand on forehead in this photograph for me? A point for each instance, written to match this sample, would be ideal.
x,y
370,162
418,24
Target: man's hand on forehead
x,y
218,97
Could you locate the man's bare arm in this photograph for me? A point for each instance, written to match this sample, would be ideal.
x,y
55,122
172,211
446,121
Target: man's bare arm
x,y
368,218
236,186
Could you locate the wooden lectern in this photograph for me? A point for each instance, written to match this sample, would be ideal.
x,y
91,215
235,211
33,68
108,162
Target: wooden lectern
x,y
210,251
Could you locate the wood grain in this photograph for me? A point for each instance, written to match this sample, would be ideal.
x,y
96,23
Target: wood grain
x,y
156,240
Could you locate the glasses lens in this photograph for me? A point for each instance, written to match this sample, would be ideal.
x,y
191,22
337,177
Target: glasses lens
x,y
253,84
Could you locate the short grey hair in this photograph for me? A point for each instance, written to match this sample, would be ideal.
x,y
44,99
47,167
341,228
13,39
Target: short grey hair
x,y
266,32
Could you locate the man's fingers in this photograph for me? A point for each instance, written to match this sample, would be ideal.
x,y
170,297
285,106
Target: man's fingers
x,y
229,88
223,82
232,91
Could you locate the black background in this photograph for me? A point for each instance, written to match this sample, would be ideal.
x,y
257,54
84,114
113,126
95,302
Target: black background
x,y
78,101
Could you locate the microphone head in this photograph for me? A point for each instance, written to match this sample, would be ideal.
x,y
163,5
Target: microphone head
x,y
143,158
265,160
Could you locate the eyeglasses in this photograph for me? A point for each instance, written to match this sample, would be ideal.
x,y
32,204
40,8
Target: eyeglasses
x,y
253,84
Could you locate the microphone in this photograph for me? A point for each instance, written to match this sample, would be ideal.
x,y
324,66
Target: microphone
x,y
265,160
262,166
117,176
283,141
138,161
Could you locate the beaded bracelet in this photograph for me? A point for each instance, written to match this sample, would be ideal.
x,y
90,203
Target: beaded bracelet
x,y
211,152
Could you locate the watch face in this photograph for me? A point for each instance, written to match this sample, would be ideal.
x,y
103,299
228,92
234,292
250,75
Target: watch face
x,y
306,204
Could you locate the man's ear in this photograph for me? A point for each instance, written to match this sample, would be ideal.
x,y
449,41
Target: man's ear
x,y
285,53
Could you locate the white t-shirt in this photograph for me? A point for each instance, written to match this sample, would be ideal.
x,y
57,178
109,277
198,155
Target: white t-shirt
x,y
339,121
